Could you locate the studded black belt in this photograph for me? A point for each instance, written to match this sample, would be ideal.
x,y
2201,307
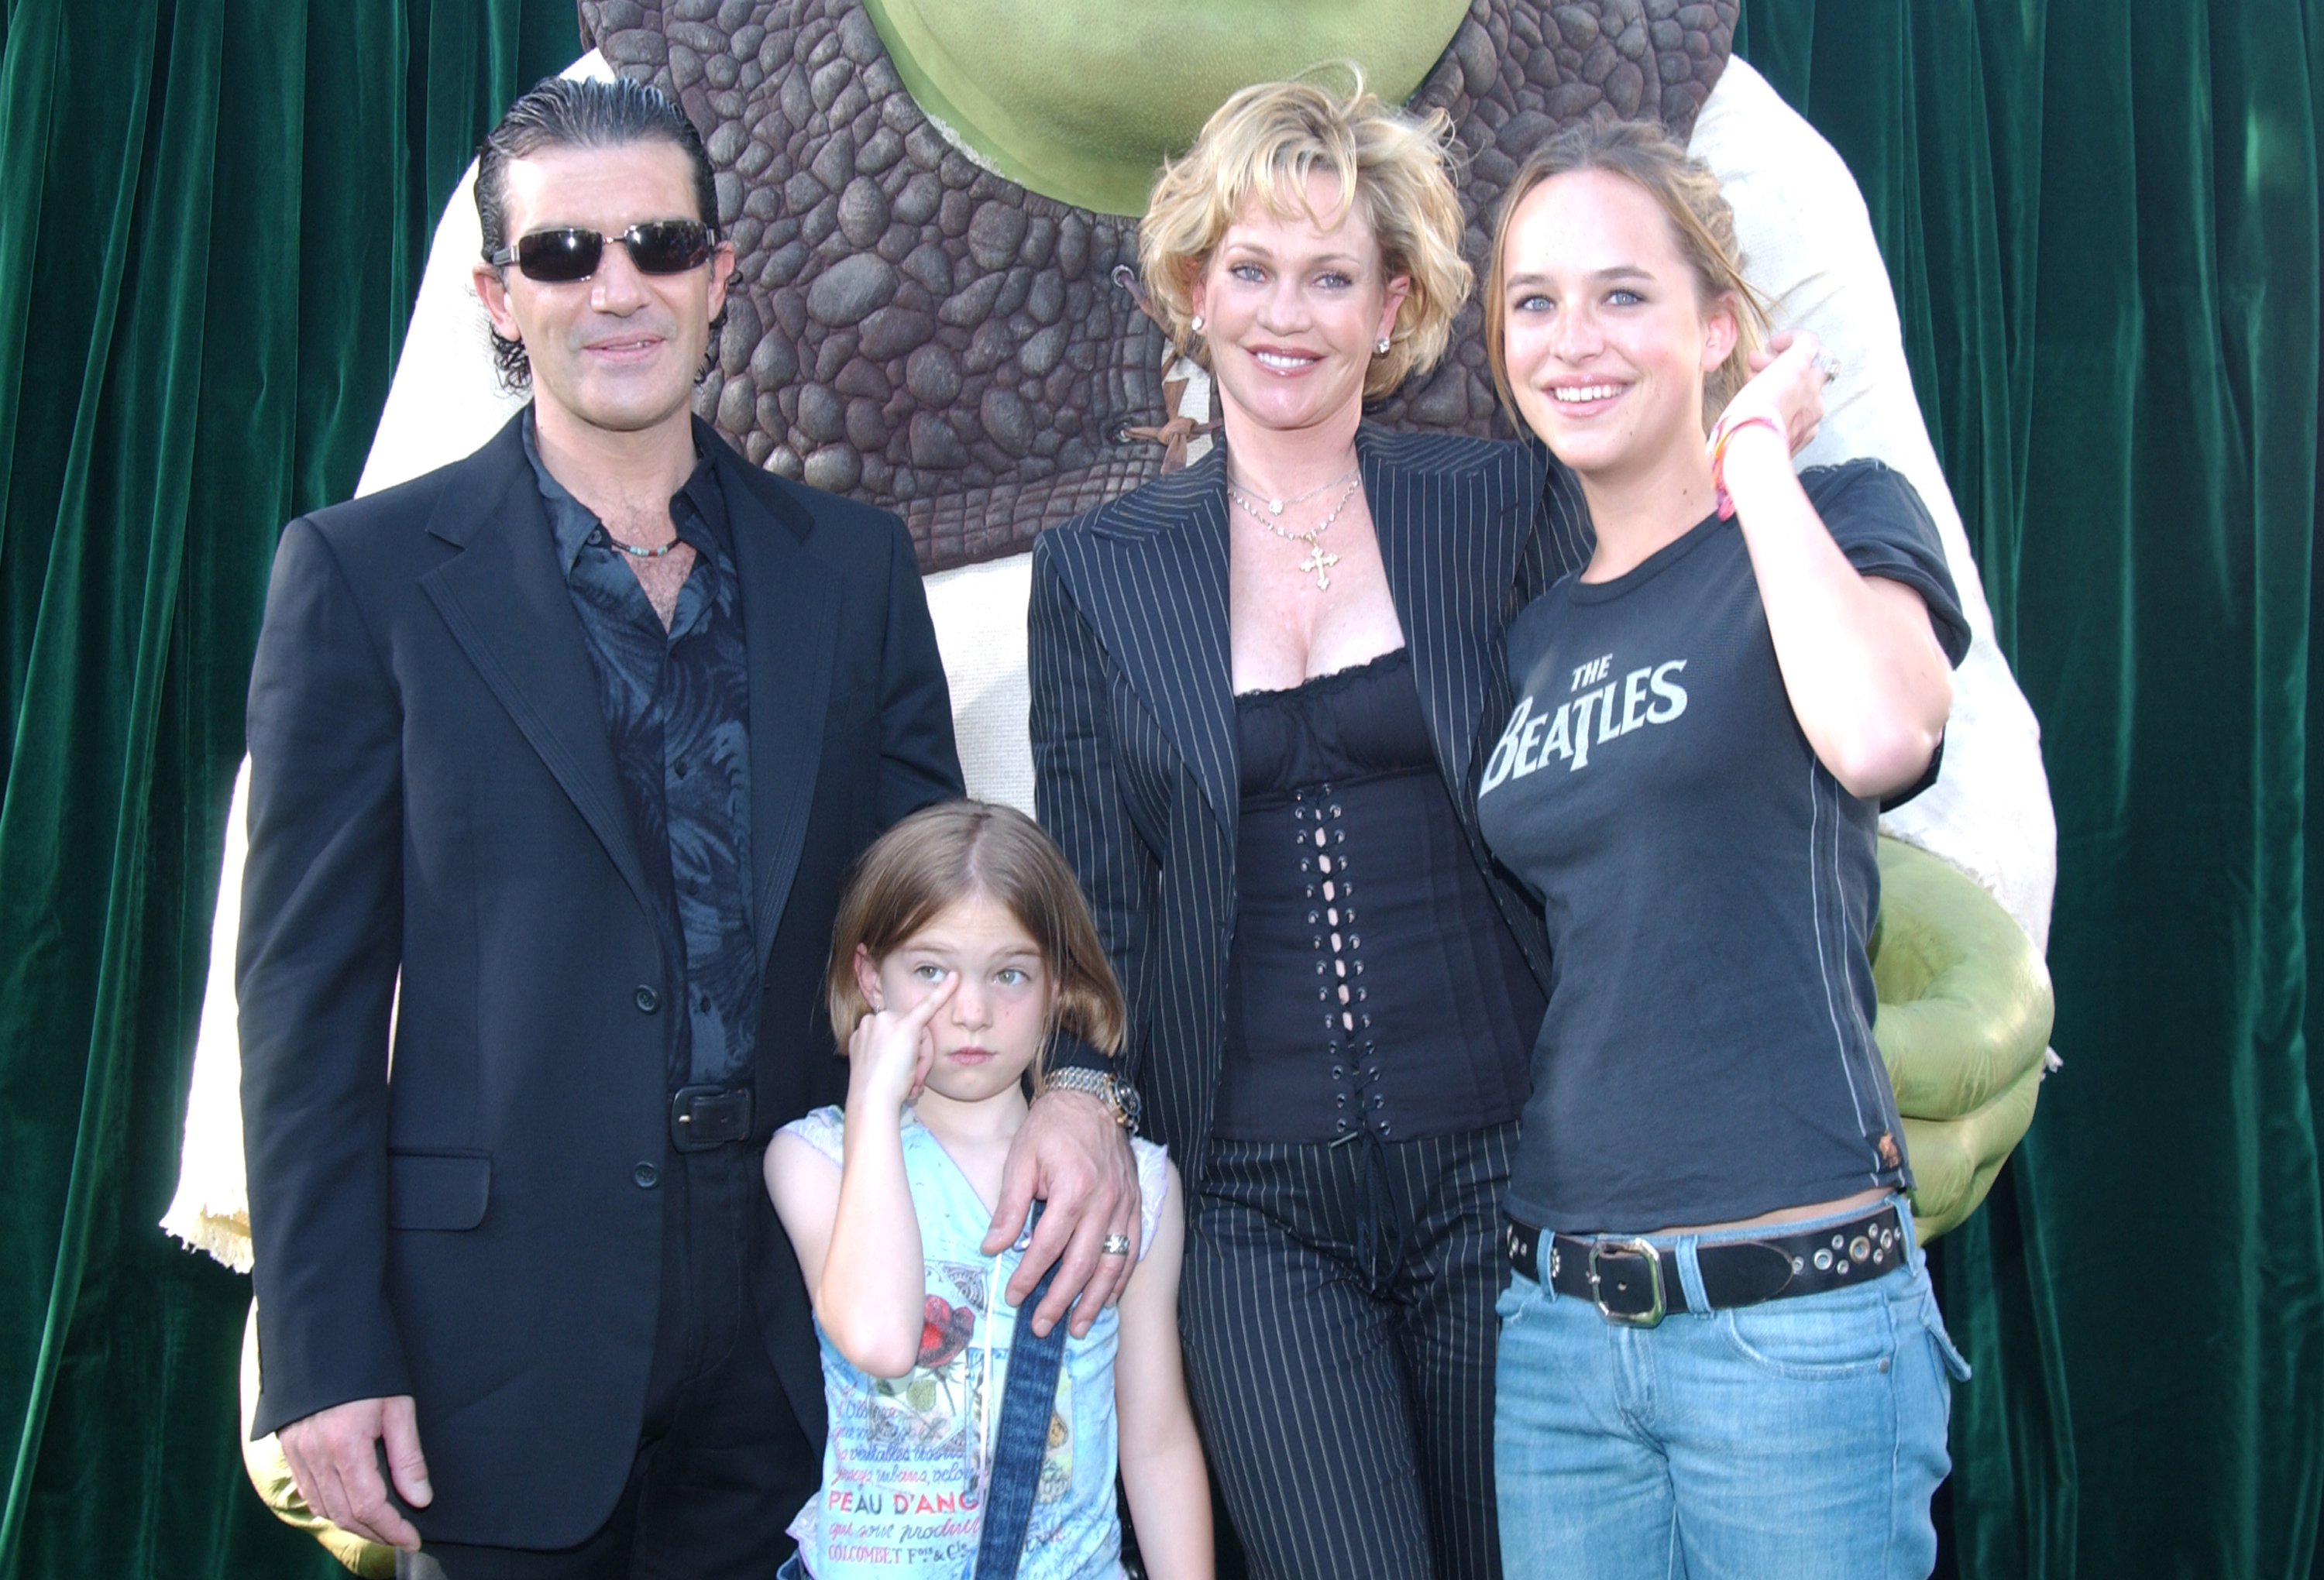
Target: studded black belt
x,y
1634,1282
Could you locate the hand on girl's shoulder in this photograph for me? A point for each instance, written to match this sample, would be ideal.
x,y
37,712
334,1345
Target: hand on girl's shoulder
x,y
805,1158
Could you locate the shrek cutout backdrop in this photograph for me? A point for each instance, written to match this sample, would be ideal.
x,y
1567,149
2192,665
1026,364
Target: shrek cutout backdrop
x,y
2101,218
929,215
911,325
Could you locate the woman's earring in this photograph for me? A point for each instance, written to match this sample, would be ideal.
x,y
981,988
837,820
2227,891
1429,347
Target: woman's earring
x,y
1197,325
1382,347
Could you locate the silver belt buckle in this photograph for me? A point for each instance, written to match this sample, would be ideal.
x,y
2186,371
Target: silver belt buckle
x,y
1653,1315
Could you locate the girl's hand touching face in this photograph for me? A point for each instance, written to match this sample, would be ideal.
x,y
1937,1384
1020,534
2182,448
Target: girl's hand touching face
x,y
891,1050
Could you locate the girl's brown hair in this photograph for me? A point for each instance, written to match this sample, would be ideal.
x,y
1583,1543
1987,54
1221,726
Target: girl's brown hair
x,y
945,853
1644,153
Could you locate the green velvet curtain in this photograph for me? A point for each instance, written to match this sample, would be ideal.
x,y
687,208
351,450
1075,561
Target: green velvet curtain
x,y
2101,217
213,215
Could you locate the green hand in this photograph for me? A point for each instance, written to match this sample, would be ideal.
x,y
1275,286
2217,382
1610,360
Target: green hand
x,y
1965,1017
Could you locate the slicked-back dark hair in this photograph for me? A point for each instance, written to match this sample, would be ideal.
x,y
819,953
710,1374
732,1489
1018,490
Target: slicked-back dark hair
x,y
559,112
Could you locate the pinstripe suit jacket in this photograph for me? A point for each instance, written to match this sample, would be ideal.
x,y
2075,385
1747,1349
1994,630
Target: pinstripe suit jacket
x,y
1133,716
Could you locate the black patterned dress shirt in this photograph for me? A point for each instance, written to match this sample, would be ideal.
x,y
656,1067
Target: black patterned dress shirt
x,y
676,705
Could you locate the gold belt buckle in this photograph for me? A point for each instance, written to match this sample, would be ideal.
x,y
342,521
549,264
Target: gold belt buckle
x,y
1653,1315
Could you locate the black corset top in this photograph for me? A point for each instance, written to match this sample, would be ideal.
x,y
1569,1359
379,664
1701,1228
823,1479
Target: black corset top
x,y
1372,983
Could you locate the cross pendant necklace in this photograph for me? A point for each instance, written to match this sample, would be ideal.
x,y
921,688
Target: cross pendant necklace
x,y
1319,559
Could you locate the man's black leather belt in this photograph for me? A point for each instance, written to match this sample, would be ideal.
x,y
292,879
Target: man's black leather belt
x,y
704,1116
1634,1282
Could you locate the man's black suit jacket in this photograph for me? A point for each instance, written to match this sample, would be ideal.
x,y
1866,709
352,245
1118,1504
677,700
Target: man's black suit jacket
x,y
479,1224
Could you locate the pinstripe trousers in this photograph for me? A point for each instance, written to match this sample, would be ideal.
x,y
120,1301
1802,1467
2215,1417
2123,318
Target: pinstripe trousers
x,y
1340,1342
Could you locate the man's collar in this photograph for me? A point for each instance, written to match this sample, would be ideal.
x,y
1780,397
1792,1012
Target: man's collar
x,y
704,493
571,523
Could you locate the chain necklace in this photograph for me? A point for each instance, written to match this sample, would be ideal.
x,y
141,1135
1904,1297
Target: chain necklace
x,y
1275,507
1318,560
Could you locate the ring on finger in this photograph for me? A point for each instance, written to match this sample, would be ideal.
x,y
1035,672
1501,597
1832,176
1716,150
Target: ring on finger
x,y
1828,365
1114,1246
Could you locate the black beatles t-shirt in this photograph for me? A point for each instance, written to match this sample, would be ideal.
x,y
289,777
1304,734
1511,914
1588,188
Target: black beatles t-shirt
x,y
1708,1053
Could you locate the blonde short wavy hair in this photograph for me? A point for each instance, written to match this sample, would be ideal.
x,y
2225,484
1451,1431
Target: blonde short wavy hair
x,y
1263,143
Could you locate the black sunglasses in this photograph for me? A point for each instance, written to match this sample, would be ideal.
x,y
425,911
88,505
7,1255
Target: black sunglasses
x,y
657,246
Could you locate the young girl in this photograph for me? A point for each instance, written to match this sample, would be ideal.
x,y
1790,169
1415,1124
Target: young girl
x,y
1719,1354
960,945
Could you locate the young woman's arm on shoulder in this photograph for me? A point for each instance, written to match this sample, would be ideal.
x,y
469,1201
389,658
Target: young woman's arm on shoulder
x,y
1867,679
1162,1467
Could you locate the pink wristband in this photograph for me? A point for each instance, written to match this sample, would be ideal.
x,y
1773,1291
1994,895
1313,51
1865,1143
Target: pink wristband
x,y
1720,438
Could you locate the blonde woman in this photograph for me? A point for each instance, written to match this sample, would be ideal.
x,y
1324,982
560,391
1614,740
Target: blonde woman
x,y
1719,1354
1263,689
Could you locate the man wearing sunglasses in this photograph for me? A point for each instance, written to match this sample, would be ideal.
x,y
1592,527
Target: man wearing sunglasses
x,y
558,755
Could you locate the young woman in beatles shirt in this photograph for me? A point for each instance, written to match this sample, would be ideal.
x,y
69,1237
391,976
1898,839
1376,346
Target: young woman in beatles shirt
x,y
1719,1354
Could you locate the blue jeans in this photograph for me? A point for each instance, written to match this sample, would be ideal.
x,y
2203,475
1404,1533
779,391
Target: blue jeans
x,y
1799,1440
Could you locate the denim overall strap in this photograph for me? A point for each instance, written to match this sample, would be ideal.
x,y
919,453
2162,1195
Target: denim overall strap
x,y
1027,1398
